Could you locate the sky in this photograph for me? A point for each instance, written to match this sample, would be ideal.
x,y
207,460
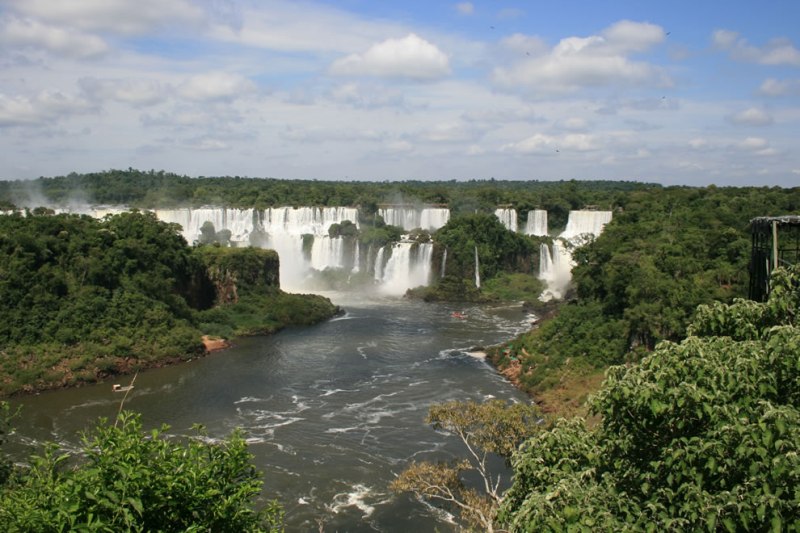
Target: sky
x,y
674,92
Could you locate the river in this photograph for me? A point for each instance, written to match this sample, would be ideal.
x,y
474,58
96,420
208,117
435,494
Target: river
x,y
332,412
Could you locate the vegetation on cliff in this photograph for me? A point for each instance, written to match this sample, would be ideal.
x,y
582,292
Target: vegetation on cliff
x,y
505,261
85,298
701,435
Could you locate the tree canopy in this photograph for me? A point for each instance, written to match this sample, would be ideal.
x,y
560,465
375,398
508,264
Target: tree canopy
x,y
701,435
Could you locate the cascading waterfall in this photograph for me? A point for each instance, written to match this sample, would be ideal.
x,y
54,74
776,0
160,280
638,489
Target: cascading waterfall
x,y
508,217
537,223
556,270
408,218
444,263
403,266
409,266
379,265
477,270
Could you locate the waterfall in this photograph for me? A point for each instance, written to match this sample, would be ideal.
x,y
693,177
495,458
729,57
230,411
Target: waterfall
x,y
477,270
585,222
408,218
284,229
444,263
558,271
537,222
545,262
279,228
357,257
508,217
379,265
408,267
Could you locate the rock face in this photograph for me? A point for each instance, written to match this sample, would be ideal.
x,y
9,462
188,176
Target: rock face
x,y
234,271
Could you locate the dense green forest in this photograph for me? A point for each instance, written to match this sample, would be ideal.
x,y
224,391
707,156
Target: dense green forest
x,y
84,299
702,435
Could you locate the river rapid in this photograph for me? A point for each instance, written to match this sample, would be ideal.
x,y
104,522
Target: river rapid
x,y
332,412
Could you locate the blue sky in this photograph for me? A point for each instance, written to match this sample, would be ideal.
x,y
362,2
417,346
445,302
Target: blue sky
x,y
672,92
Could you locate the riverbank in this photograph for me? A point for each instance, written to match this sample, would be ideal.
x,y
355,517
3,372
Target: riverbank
x,y
560,390
30,369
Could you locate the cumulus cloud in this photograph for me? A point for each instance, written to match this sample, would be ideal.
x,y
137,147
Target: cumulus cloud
x,y
136,92
596,60
524,44
368,97
215,86
541,143
756,145
773,87
465,8
751,117
43,108
410,57
118,16
776,52
25,32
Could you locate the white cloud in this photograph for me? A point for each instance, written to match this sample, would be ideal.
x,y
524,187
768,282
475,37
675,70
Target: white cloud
x,y
699,143
409,57
206,144
753,143
465,8
541,143
292,26
41,109
574,124
451,132
398,147
524,44
757,145
596,60
136,92
751,117
368,97
119,16
25,32
775,52
215,86
773,87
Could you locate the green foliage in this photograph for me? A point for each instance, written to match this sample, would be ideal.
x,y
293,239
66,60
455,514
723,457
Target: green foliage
x,y
345,229
130,480
84,298
513,287
499,250
701,435
5,428
489,428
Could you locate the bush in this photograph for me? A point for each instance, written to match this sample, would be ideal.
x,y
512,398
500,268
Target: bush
x,y
129,480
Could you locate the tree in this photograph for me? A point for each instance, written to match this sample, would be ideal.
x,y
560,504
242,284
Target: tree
x,y
208,233
701,435
130,480
490,428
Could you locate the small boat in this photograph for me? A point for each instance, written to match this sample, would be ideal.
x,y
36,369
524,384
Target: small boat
x,y
458,314
119,388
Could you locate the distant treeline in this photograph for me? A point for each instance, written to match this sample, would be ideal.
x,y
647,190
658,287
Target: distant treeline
x,y
150,189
